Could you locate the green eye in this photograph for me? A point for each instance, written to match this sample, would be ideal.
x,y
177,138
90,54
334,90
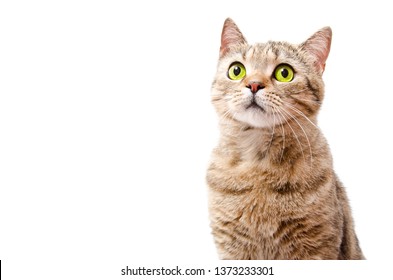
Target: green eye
x,y
236,71
284,73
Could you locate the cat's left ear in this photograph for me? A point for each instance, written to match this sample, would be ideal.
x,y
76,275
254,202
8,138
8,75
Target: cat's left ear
x,y
318,46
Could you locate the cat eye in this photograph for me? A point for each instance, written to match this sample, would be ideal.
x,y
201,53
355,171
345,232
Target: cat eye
x,y
284,73
236,71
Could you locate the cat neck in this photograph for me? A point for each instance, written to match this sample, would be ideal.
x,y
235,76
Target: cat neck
x,y
278,144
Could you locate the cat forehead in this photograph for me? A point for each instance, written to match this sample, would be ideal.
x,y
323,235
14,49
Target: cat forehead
x,y
270,51
262,55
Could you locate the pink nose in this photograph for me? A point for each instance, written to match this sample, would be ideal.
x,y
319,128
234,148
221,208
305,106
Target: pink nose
x,y
255,86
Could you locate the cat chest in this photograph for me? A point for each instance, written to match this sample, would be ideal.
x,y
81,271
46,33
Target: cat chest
x,y
254,213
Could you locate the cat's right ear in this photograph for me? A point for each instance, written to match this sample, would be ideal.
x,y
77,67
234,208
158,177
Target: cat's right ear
x,y
230,36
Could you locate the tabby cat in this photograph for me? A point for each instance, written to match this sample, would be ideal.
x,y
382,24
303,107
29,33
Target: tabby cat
x,y
273,193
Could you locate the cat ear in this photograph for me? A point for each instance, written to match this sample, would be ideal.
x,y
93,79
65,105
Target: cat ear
x,y
230,36
318,46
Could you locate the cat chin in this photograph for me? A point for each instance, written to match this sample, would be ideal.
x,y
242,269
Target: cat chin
x,y
255,118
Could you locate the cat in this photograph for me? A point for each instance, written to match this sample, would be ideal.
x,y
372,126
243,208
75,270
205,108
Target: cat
x,y
273,193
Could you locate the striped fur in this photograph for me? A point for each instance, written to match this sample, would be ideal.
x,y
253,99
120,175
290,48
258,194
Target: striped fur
x,y
273,191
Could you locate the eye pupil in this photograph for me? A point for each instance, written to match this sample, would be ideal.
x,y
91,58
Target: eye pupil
x,y
284,73
236,70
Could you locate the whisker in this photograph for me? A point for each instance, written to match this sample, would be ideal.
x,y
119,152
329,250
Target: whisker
x,y
282,130
272,127
301,113
301,127
294,133
308,100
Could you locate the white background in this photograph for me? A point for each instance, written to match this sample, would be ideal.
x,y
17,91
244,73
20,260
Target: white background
x,y
106,126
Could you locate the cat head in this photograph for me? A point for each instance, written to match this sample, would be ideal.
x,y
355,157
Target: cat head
x,y
266,84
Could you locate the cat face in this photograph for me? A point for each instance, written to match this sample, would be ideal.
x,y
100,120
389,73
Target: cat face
x,y
263,85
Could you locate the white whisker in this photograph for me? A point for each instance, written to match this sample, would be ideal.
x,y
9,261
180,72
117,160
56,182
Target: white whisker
x,y
301,127
308,100
294,133
300,112
271,139
283,132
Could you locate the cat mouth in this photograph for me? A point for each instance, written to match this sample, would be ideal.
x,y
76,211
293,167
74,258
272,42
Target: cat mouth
x,y
256,106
